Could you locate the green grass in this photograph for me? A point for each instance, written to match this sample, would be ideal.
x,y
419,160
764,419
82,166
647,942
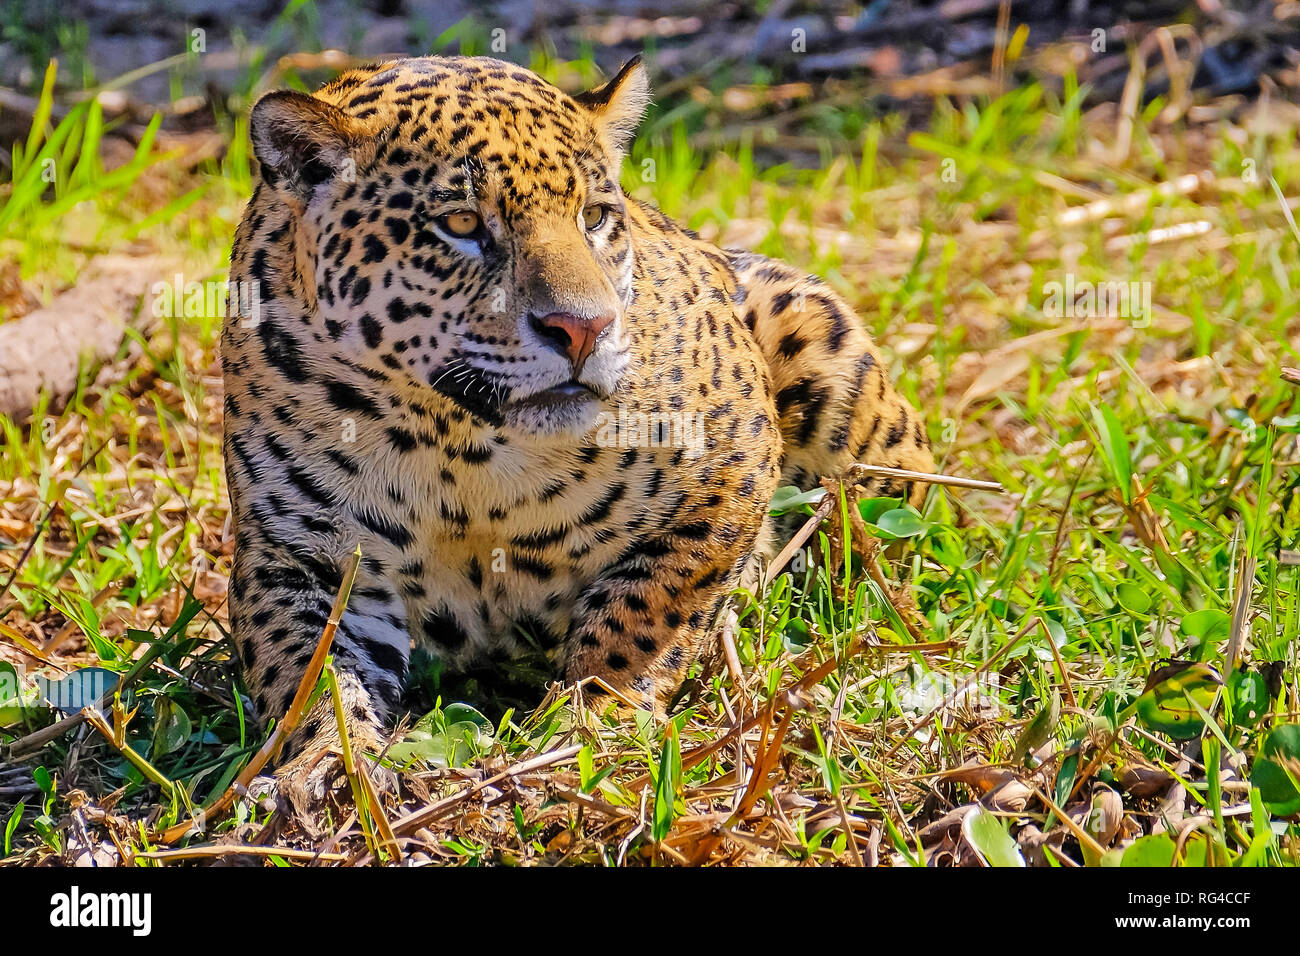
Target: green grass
x,y
1144,463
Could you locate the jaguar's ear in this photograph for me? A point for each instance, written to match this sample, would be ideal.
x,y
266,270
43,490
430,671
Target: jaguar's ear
x,y
619,105
301,142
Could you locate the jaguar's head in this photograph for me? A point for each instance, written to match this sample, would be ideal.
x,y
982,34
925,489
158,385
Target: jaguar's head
x,y
465,228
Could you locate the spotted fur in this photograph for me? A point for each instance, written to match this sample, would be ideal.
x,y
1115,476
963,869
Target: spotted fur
x,y
408,388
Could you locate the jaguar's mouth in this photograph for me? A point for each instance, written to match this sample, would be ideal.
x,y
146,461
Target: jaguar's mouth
x,y
556,396
568,407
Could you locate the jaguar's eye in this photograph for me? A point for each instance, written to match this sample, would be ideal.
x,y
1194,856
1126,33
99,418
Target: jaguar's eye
x,y
460,224
593,216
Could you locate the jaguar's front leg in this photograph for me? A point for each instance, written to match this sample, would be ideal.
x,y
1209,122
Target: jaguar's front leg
x,y
280,600
648,617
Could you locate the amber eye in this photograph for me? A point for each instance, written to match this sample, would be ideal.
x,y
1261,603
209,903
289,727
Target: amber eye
x,y
462,224
593,216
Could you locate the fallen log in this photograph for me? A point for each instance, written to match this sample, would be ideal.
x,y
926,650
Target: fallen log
x,y
45,350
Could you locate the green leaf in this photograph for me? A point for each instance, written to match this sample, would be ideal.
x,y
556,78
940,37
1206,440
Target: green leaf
x,y
43,780
1196,852
1166,706
1277,770
797,635
1248,696
1133,599
669,783
447,738
1156,850
872,508
14,705
172,729
790,498
1207,626
989,836
1065,777
462,713
11,688
901,523
1263,839
1039,730
15,817
1114,448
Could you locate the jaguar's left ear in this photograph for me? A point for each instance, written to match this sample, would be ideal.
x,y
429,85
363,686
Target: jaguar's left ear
x,y
301,141
619,105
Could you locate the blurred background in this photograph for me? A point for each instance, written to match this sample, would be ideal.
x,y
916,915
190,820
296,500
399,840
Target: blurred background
x,y
207,56
944,42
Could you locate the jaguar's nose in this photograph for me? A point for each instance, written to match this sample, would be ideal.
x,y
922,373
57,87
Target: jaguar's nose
x,y
570,335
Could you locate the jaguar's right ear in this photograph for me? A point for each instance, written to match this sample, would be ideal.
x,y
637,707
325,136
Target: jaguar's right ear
x,y
619,106
301,142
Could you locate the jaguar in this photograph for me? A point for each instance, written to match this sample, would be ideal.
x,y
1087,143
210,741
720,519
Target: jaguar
x,y
463,327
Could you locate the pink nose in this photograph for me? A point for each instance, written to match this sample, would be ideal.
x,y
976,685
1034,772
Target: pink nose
x,y
570,334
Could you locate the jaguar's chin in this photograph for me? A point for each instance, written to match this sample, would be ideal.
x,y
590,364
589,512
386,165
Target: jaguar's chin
x,y
567,409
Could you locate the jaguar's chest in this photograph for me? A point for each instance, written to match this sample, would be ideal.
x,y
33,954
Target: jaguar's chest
x,y
508,539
